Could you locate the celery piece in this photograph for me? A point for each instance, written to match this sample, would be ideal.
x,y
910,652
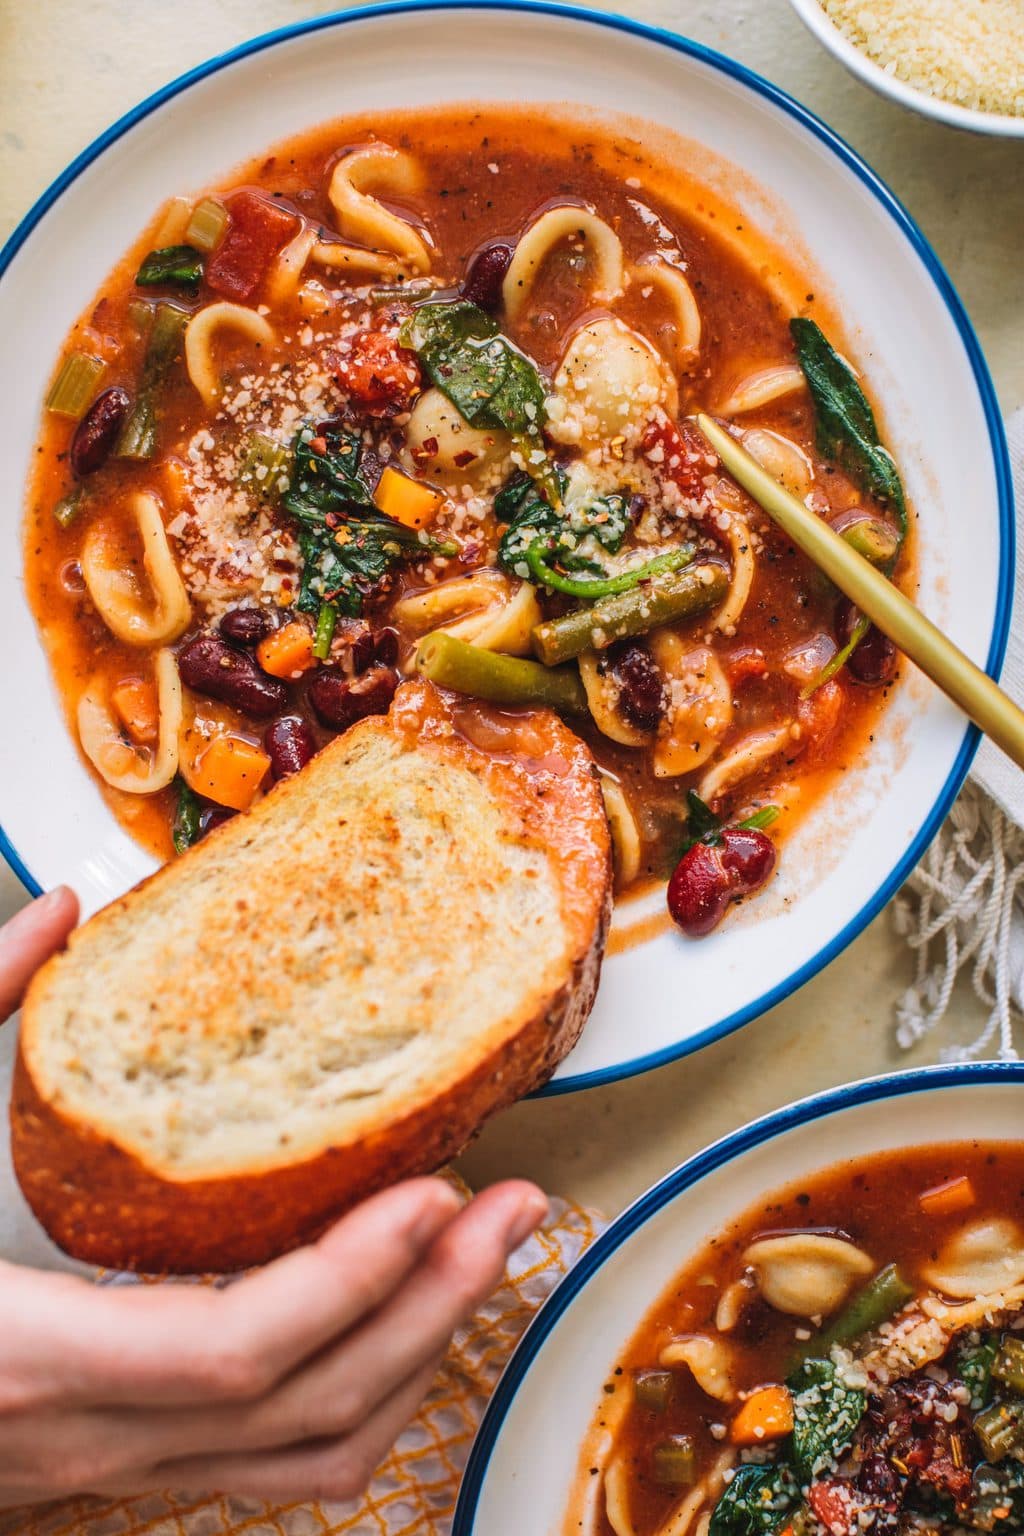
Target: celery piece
x,y
1008,1366
653,1390
73,389
1000,1430
674,1462
140,315
68,508
207,224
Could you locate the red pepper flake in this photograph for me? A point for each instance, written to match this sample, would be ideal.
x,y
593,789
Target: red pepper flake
x,y
462,459
318,445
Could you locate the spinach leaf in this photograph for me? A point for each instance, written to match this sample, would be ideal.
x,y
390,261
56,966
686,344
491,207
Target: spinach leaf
x,y
847,431
998,1497
347,544
755,1502
826,1413
484,376
531,518
187,826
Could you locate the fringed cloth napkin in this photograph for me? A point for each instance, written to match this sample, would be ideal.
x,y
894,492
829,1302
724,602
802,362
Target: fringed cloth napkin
x,y
962,910
413,1491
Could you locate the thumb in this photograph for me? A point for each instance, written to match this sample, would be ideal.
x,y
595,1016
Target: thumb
x,y
30,938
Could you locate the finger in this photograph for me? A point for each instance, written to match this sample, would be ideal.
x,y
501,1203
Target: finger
x,y
173,1344
31,937
323,1469
345,1385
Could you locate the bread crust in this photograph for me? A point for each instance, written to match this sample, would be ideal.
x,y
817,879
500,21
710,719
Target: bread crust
x,y
103,1205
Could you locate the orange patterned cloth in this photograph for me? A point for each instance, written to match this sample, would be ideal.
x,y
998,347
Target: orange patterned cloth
x,y
413,1491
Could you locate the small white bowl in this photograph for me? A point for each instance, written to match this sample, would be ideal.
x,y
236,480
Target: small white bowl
x,y
858,63
524,1461
800,184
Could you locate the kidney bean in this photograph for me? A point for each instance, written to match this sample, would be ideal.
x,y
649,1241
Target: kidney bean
x,y
486,273
210,666
641,690
246,626
214,816
97,431
385,646
339,701
289,744
875,660
711,875
353,646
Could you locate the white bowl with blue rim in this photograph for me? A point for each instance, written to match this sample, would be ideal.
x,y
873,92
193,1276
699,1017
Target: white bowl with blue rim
x,y
522,1471
668,996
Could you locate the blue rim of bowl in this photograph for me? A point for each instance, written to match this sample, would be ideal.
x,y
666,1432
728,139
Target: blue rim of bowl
x,y
933,267
688,1174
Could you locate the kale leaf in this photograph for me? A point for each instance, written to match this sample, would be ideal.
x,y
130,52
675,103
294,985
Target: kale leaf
x,y
347,544
531,517
755,1502
847,431
826,1413
974,1364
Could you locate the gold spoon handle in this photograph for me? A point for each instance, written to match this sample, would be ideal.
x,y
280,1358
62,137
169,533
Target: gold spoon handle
x,y
884,604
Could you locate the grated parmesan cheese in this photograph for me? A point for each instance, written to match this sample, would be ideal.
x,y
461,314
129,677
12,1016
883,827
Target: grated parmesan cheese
x,y
968,52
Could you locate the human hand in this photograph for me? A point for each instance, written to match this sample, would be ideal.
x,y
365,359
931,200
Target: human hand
x,y
290,1384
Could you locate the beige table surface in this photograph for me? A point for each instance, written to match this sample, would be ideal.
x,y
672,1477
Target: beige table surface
x,y
68,67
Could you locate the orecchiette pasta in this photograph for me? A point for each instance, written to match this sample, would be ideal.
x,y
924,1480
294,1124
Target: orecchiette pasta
x,y
781,458
602,701
673,286
699,704
485,609
363,218
746,758
710,1486
441,443
609,384
136,770
115,591
286,274
544,236
986,1255
625,832
709,1361
200,336
761,388
616,1498
744,566
805,1274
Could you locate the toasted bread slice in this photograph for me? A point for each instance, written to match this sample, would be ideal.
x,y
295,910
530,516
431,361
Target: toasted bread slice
x,y
328,994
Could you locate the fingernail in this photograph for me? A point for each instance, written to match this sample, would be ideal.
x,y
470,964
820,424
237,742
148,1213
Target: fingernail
x,y
528,1218
431,1221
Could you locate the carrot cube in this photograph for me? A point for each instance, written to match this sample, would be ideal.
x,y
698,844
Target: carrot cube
x,y
135,704
230,772
408,501
948,1198
288,652
766,1415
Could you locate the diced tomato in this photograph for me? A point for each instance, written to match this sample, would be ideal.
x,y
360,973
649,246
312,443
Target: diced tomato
x,y
747,662
832,1502
377,372
680,455
257,229
819,716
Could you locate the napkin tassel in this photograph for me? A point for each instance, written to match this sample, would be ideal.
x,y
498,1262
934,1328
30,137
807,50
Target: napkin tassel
x,y
963,909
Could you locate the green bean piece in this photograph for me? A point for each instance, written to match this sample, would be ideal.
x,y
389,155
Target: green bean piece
x,y
760,819
1008,1366
68,508
451,663
873,538
1000,1430
662,600
674,1462
266,466
602,586
187,818
872,1306
138,435
325,622
653,1390
74,387
179,266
